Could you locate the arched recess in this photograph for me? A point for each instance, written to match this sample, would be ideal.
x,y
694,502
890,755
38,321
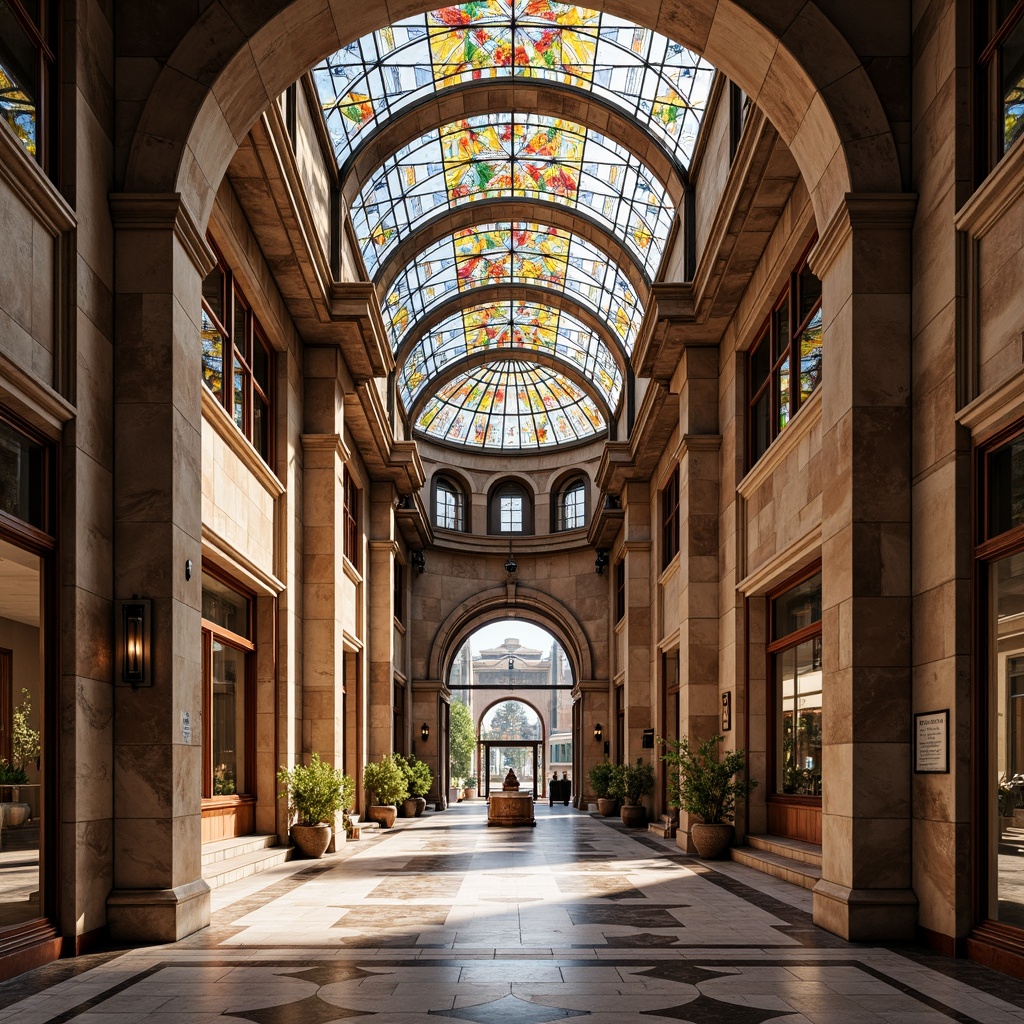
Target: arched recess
x,y
495,604
796,66
478,724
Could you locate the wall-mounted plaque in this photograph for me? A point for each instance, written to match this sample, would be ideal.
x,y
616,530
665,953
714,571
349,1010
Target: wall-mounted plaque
x,y
931,742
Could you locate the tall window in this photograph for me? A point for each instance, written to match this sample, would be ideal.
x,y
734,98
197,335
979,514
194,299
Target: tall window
x,y
228,691
350,514
999,95
510,509
670,519
237,358
449,505
398,595
620,589
27,75
571,502
795,652
784,364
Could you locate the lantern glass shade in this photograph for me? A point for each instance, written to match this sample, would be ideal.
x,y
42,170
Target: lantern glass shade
x,y
598,731
424,732
133,641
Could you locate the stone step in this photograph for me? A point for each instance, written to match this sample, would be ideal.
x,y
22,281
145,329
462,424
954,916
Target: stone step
x,y
797,872
228,860
795,849
236,846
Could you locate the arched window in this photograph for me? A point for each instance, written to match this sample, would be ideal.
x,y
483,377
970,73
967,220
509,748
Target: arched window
x,y
571,505
510,509
449,505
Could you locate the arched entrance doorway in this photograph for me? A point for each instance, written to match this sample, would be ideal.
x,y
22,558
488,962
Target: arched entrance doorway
x,y
512,738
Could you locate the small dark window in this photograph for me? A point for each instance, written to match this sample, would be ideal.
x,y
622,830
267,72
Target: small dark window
x,y
449,505
351,519
739,108
399,591
510,509
670,519
1004,469
571,505
620,589
22,477
238,361
784,363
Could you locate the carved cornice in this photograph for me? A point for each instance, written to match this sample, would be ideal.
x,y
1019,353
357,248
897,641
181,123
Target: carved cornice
x,y
218,551
636,459
661,342
869,210
26,179
414,524
360,329
385,458
216,418
326,443
605,527
162,211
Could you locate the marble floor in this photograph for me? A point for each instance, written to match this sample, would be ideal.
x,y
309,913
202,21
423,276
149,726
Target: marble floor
x,y
449,920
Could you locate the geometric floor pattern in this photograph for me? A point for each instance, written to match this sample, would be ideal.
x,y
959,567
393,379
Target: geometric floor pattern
x,y
448,920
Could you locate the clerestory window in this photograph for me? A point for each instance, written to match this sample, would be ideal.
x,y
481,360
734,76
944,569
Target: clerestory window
x,y
510,509
449,505
571,505
999,81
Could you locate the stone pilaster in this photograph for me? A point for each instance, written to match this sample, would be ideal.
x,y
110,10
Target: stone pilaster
x,y
160,259
863,259
380,638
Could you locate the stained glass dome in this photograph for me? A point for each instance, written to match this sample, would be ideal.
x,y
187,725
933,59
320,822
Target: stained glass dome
x,y
530,327
513,156
642,73
511,406
514,253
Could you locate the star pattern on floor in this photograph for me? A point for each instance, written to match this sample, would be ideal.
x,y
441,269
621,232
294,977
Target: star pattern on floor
x,y
510,1010
311,1010
704,1010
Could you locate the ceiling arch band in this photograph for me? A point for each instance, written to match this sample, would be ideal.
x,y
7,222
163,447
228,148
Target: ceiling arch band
x,y
514,253
643,73
513,156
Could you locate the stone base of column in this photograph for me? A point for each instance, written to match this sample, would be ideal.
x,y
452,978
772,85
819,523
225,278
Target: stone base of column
x,y
158,915
865,915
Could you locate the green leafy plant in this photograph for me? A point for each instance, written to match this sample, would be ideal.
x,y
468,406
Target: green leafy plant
x,y
315,792
223,781
418,776
462,739
703,782
601,777
24,740
471,782
11,776
385,781
632,782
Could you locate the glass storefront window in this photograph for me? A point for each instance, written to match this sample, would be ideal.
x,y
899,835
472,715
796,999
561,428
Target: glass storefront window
x,y
228,720
22,468
798,688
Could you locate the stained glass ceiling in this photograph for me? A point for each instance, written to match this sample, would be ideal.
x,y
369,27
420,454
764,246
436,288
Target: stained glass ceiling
x,y
513,156
530,327
511,406
644,74
485,359
514,253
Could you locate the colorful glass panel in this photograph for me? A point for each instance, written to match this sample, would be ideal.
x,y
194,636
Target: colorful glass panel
x,y
642,73
513,253
511,406
528,326
506,156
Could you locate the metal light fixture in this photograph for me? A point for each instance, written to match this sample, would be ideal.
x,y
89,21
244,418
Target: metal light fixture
x,y
424,732
511,565
601,561
598,732
132,640
419,560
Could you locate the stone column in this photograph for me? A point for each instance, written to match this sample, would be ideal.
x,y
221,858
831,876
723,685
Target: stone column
x,y
380,632
638,697
323,575
698,580
863,259
161,257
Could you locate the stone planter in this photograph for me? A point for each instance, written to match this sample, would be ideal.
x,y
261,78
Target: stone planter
x,y
421,805
633,815
606,806
311,840
711,841
383,814
409,808
469,793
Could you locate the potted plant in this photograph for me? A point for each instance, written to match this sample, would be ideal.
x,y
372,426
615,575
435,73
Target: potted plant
x,y
384,780
315,793
25,748
601,776
631,783
420,779
469,790
704,783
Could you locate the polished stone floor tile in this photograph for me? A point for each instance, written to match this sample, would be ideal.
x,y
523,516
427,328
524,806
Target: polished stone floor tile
x,y
446,919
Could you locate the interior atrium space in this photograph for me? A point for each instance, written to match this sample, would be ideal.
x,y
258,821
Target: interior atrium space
x,y
482,416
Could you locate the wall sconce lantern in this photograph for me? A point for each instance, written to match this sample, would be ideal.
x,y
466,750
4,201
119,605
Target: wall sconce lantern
x,y
424,732
419,560
601,561
132,641
511,565
598,732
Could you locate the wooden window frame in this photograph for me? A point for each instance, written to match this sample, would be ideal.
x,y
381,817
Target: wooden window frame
x,y
784,367
350,518
670,519
987,127
242,352
445,484
620,590
562,492
398,592
507,488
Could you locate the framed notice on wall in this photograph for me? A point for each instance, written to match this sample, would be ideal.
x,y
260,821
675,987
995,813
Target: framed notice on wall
x,y
931,743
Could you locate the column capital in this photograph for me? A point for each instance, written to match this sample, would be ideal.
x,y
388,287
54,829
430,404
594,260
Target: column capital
x,y
163,211
868,210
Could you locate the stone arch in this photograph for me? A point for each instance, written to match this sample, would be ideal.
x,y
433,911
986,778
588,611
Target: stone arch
x,y
232,61
496,603
544,732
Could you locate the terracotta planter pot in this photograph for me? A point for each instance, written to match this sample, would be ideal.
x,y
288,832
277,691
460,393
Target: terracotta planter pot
x,y
711,840
606,806
469,793
421,804
311,840
383,814
633,815
409,808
